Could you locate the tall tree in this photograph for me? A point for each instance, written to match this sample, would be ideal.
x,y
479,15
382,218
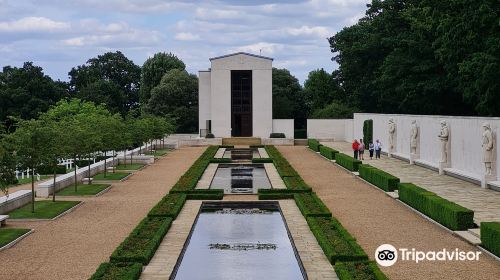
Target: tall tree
x,y
176,96
111,78
320,89
154,69
288,98
7,168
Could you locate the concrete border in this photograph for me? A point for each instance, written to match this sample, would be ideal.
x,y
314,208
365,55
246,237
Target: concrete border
x,y
15,241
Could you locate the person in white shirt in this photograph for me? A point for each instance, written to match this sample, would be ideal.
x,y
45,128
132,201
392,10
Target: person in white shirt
x,y
378,148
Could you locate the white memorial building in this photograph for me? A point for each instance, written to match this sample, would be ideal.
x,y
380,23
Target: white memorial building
x,y
235,96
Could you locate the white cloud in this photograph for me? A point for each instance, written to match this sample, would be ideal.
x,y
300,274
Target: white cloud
x,y
187,36
318,31
262,48
34,24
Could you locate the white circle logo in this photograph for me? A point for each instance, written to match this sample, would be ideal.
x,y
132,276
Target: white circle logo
x,y
386,255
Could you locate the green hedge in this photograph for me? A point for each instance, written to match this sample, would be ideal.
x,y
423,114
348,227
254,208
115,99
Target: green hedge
x,y
46,170
368,132
311,206
445,212
367,270
273,194
189,180
296,183
490,237
313,144
170,206
336,242
347,162
256,146
113,271
262,160
379,178
220,160
277,135
327,152
284,168
141,244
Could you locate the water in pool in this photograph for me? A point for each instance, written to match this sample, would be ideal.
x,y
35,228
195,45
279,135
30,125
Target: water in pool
x,y
240,178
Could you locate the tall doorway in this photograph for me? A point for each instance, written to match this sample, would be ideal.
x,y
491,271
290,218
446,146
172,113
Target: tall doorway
x,y
241,103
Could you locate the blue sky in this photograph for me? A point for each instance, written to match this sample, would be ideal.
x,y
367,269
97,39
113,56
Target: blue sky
x,y
60,34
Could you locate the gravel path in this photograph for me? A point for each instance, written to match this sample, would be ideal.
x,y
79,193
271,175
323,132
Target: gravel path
x,y
73,246
374,219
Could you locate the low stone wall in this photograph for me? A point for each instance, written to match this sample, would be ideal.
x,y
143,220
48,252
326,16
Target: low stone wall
x,y
278,141
142,159
200,142
14,201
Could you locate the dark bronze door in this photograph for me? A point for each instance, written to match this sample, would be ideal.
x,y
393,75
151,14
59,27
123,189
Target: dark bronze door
x,y
241,103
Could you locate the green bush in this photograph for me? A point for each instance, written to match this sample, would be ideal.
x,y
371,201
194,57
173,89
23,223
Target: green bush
x,y
262,160
347,162
366,270
170,206
296,183
284,168
210,135
277,135
113,271
336,242
220,160
142,242
311,206
313,144
379,178
226,146
46,170
189,180
327,152
368,132
490,237
274,194
256,146
447,213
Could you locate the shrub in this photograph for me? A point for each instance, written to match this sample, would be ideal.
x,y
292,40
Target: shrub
x,y
313,144
46,170
210,135
447,213
273,194
277,135
189,180
205,194
296,183
347,162
379,178
368,131
170,206
366,270
262,160
336,242
112,271
490,237
311,206
220,160
327,152
142,242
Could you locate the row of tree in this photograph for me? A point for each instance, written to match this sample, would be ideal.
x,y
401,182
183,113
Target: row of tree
x,y
73,129
422,57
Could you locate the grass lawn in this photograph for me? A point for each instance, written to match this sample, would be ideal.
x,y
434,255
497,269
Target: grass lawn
x,y
111,176
134,166
83,189
158,153
28,180
44,209
8,235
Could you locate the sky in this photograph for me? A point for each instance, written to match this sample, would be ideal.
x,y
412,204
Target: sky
x,y
61,34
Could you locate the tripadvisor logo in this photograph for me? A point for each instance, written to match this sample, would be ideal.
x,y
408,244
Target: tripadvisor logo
x,y
387,255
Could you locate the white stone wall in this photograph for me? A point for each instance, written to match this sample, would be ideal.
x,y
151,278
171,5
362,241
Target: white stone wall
x,y
204,100
465,137
330,129
221,102
262,100
284,126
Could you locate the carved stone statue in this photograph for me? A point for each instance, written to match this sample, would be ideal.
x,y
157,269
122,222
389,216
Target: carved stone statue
x,y
392,130
413,137
443,137
487,145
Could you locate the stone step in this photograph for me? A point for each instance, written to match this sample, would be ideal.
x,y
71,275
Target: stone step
x,y
241,141
475,231
469,237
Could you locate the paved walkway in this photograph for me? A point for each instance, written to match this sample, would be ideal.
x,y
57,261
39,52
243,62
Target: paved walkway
x,y
484,202
373,219
72,246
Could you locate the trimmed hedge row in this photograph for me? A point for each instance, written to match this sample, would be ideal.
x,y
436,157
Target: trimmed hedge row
x,y
277,135
379,178
205,194
273,194
367,270
336,242
170,206
297,184
284,168
310,205
347,162
189,180
256,146
313,144
220,160
445,212
328,152
141,244
490,237
262,160
113,271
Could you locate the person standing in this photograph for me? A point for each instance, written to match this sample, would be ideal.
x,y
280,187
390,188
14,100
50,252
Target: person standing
x,y
371,148
355,148
378,149
361,149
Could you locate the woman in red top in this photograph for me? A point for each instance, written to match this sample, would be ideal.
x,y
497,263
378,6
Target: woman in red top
x,y
355,148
